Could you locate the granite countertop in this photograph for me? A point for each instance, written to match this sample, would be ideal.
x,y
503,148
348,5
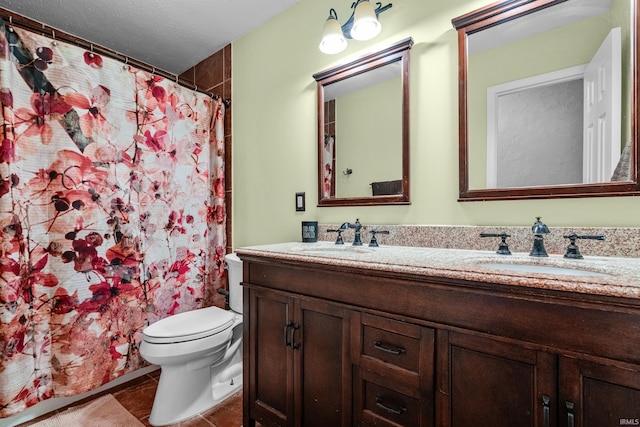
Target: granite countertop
x,y
610,276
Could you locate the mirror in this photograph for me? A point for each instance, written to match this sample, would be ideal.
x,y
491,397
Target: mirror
x,y
547,99
363,130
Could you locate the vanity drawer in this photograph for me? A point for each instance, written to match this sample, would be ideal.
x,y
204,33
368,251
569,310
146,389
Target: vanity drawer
x,y
383,406
390,341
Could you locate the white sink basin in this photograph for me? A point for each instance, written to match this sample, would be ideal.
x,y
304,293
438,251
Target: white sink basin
x,y
541,269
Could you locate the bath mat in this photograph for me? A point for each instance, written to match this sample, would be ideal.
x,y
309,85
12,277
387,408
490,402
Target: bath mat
x,y
105,411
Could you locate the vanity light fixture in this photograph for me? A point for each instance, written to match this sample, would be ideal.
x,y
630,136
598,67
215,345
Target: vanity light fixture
x,y
363,24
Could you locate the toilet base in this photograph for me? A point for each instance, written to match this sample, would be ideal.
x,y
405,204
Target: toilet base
x,y
188,389
174,404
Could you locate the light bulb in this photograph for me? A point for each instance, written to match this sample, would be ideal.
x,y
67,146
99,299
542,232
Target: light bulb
x,y
365,23
333,40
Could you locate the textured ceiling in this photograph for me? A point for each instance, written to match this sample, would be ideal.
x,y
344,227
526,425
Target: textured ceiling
x,y
171,35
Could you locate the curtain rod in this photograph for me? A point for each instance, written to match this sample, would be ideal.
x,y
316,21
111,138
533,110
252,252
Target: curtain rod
x,y
17,20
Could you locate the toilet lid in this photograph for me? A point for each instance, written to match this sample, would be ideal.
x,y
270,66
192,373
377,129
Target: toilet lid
x,y
190,325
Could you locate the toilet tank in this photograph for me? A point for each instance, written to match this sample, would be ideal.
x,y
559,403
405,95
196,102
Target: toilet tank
x,y
234,274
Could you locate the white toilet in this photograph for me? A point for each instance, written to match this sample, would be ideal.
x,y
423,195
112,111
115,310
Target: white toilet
x,y
199,353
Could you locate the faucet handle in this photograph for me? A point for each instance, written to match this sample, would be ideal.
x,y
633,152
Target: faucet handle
x,y
503,248
539,227
339,240
357,241
374,241
572,250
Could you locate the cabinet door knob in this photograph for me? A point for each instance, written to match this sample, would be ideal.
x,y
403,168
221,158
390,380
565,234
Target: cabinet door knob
x,y
545,405
380,404
396,351
570,416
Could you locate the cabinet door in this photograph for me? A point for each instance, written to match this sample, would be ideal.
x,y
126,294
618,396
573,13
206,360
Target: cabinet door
x,y
269,359
597,394
322,365
486,382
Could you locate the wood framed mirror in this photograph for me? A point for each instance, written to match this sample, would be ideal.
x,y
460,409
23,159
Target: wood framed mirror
x,y
363,130
536,117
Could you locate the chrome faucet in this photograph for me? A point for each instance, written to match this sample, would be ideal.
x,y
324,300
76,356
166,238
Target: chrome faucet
x,y
539,229
357,240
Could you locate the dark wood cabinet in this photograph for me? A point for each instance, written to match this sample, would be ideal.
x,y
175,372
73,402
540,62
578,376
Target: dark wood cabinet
x,y
297,361
331,346
270,357
486,382
598,393
490,382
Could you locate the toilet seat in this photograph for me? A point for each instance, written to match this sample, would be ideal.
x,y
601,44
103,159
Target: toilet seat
x,y
188,326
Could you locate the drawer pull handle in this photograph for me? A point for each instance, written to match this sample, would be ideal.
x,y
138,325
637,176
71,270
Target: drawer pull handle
x,y
396,351
380,404
545,404
570,416
291,336
287,343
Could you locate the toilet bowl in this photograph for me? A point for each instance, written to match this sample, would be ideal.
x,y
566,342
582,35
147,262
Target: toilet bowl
x,y
199,353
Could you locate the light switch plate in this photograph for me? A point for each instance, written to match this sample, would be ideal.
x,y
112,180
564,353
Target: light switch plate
x,y
300,202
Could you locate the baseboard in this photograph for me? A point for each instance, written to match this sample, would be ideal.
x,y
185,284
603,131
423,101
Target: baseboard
x,y
56,403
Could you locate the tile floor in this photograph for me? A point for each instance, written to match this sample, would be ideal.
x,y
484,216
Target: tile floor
x,y
137,396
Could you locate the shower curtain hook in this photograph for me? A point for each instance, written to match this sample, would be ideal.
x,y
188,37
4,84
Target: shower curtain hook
x,y
126,61
53,35
91,50
153,70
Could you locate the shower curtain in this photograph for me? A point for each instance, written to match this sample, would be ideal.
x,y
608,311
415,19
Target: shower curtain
x,y
112,213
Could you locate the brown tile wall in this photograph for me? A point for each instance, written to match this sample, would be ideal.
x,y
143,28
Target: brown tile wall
x,y
213,75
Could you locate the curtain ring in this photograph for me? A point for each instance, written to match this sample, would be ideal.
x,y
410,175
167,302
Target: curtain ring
x,y
54,42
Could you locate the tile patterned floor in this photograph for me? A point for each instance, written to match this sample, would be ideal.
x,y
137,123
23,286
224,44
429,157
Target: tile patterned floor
x,y
137,396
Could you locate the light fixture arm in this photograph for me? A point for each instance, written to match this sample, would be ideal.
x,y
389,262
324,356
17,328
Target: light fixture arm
x,y
346,28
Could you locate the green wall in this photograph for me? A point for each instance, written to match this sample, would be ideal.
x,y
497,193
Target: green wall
x,y
369,138
275,130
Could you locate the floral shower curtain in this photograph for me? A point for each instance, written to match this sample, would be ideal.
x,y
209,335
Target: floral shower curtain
x,y
112,213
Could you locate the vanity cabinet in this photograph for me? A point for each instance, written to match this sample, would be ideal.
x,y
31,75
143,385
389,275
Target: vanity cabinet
x,y
337,345
492,383
298,360
594,394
